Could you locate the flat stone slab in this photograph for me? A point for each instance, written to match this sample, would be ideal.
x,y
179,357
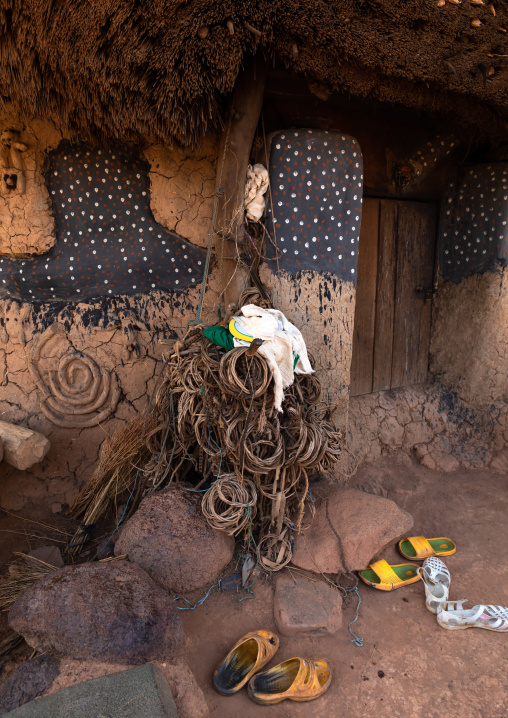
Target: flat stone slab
x,y
305,606
366,525
141,691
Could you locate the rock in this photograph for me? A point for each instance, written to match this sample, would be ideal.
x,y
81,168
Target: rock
x,y
169,538
30,680
366,524
56,508
305,606
48,554
111,611
188,696
141,691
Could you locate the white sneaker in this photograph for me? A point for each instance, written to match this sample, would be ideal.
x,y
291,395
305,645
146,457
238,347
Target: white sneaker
x,y
436,579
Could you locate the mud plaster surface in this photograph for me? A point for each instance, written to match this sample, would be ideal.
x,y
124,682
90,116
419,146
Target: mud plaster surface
x,y
26,223
183,188
181,198
322,307
469,345
427,423
74,452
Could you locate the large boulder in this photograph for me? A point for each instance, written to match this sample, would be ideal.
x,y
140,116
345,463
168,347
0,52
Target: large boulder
x,y
30,680
366,525
111,611
170,538
302,605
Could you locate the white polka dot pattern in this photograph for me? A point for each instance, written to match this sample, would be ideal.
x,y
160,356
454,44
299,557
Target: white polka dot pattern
x,y
316,190
107,240
474,217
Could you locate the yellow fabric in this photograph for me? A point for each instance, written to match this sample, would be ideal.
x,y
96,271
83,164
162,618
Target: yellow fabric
x,y
385,572
421,546
234,331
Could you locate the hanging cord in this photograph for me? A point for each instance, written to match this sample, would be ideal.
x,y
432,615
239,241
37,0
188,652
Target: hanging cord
x,y
197,321
356,639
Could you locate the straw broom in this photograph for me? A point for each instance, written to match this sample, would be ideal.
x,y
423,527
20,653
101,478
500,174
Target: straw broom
x,y
120,459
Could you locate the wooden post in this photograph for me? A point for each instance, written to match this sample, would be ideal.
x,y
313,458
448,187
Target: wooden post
x,y
234,151
22,447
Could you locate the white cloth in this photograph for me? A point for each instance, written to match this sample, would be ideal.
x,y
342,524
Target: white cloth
x,y
282,340
255,187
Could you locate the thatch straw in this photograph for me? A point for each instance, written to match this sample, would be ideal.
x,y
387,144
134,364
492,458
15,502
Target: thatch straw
x,y
124,69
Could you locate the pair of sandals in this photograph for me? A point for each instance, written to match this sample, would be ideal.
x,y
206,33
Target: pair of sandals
x,y
436,579
385,577
297,679
451,614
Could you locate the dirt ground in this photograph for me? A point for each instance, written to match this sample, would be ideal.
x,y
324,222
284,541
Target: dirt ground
x,y
408,666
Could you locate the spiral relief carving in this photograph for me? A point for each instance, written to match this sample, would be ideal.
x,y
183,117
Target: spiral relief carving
x,y
77,393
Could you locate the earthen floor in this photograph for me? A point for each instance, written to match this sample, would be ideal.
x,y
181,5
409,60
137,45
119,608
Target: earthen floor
x,y
408,665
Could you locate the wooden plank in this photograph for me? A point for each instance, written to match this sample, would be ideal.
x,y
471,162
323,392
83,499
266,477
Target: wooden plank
x,y
416,230
385,303
233,158
362,361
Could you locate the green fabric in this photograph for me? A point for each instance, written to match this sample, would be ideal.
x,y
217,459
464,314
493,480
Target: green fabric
x,y
295,362
220,336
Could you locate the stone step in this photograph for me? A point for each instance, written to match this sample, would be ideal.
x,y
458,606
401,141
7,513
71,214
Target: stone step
x,y
141,691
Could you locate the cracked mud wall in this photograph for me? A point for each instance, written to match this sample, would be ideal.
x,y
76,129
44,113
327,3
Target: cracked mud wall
x,y
469,346
183,188
130,353
27,227
102,336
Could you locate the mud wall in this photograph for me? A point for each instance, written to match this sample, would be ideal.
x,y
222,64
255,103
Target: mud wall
x,y
469,346
427,423
118,340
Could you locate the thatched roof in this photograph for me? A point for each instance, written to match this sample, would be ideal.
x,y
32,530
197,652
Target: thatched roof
x,y
114,68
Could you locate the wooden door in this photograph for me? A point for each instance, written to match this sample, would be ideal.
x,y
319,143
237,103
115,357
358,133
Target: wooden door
x,y
393,295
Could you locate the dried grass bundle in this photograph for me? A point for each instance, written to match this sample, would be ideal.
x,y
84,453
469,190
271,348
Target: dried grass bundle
x,y
24,571
122,456
11,641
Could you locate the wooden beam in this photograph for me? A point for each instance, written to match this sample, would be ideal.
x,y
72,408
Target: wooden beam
x,y
22,447
233,158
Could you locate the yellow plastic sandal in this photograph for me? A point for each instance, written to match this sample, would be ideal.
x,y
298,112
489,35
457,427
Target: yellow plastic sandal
x,y
297,679
384,577
247,656
418,547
